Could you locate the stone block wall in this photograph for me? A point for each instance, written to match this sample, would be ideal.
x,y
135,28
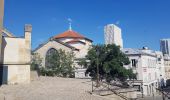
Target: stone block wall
x,y
16,58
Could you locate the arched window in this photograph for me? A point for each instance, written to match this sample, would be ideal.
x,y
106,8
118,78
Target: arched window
x,y
50,57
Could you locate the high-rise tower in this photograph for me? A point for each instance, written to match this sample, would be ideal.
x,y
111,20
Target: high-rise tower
x,y
165,46
112,34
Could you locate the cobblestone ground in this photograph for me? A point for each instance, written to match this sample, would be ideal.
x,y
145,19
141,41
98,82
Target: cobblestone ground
x,y
51,88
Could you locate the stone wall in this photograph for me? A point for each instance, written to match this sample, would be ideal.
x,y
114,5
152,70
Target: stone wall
x,y
16,74
16,58
50,44
1,22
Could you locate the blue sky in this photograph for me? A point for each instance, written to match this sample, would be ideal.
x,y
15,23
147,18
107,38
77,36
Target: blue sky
x,y
143,22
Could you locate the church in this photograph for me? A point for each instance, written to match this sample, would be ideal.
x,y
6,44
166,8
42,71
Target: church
x,y
70,41
15,54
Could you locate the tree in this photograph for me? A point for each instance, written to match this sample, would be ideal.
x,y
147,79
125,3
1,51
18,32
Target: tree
x,y
66,63
82,62
52,63
36,61
60,63
110,61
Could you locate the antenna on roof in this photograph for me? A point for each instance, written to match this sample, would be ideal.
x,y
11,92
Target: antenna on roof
x,y
70,21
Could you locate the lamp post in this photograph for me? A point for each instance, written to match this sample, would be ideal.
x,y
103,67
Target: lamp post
x,y
97,53
142,88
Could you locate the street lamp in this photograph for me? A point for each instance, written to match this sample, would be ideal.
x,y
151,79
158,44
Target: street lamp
x,y
97,53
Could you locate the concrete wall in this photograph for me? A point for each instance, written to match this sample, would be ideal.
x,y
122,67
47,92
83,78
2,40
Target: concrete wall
x,y
16,58
16,74
1,23
14,50
83,48
147,70
167,68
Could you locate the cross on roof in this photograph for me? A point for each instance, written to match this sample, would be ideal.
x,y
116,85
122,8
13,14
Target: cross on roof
x,y
70,22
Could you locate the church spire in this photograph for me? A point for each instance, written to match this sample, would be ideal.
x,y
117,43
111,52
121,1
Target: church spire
x,y
70,20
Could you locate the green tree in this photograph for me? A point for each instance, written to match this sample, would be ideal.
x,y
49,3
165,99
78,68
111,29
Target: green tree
x,y
110,61
60,63
66,63
36,61
83,62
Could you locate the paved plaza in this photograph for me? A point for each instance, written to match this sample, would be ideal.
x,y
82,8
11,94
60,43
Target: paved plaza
x,y
52,88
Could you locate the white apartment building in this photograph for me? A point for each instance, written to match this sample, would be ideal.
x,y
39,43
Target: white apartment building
x,y
167,66
113,35
148,66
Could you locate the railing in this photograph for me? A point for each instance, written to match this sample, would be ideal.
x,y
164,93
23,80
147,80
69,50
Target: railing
x,y
108,86
165,93
115,92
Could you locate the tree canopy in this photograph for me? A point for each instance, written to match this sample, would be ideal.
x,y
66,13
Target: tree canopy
x,y
36,61
58,63
110,61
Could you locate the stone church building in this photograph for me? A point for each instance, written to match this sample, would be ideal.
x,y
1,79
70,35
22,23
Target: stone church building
x,y
70,41
15,54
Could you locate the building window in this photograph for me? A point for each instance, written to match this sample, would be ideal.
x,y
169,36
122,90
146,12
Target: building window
x,y
159,59
134,62
50,55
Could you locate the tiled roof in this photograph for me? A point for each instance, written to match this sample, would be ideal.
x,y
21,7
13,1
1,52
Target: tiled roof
x,y
70,34
65,44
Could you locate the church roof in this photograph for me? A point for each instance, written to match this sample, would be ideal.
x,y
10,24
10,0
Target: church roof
x,y
70,34
64,44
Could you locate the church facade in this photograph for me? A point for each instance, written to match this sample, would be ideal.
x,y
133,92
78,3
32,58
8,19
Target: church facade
x,y
70,41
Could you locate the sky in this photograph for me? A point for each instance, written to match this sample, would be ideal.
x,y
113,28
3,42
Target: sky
x,y
143,22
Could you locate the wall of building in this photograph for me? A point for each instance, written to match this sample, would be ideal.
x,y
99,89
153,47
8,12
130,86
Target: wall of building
x,y
149,68
167,68
113,35
14,74
64,40
16,58
83,49
51,44
14,48
1,24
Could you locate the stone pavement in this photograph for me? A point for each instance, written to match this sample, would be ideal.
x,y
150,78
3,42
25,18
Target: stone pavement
x,y
52,88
